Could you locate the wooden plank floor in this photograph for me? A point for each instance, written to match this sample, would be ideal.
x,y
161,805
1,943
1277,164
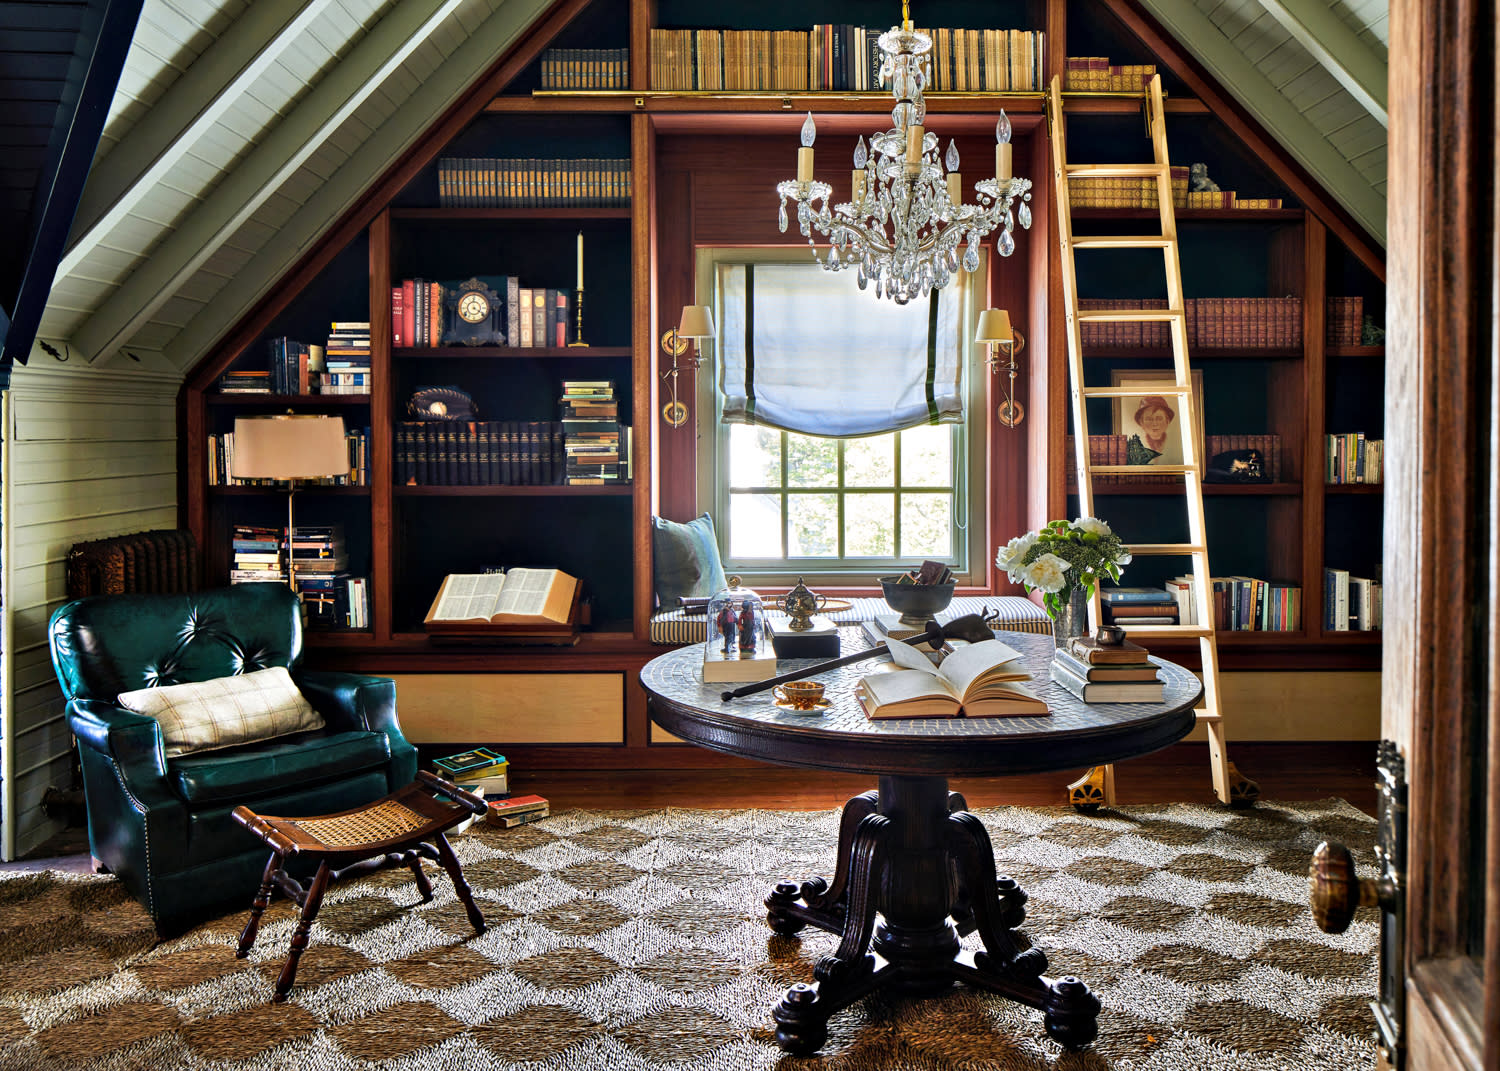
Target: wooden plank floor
x,y
1178,774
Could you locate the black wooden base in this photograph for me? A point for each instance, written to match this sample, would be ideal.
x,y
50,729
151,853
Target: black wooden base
x,y
912,853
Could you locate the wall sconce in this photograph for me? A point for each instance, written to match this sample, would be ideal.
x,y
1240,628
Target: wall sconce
x,y
696,324
996,332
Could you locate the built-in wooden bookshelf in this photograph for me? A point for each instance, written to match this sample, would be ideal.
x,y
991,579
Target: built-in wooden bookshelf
x,y
703,168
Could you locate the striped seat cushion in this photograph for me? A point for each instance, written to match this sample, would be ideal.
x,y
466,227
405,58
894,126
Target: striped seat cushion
x,y
673,628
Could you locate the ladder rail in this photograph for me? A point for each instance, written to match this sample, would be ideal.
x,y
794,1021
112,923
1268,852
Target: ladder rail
x,y
1228,785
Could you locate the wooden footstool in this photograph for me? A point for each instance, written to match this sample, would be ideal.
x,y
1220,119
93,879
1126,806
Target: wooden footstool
x,y
389,832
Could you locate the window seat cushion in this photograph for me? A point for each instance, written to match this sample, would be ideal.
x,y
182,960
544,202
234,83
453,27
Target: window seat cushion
x,y
672,628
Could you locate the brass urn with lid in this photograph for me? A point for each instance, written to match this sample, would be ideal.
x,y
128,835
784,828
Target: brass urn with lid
x,y
800,604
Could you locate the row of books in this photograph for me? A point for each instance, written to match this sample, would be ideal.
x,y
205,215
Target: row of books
x,y
1351,458
1114,450
592,435
1345,320
1351,603
221,463
1141,193
1212,323
455,453
525,317
1095,74
839,57
586,68
1240,604
490,182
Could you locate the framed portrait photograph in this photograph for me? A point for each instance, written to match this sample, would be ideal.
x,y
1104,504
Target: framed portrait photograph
x,y
1151,421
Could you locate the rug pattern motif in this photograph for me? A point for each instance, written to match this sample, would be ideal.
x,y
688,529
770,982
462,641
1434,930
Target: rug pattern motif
x,y
627,940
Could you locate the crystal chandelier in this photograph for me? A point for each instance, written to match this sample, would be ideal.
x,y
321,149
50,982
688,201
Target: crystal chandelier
x,y
906,218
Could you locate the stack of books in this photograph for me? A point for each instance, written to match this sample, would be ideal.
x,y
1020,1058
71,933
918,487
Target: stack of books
x,y
1101,674
517,811
1139,606
480,772
348,358
319,559
251,381
257,555
591,433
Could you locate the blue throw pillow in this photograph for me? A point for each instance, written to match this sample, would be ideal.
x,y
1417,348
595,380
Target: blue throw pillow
x,y
685,560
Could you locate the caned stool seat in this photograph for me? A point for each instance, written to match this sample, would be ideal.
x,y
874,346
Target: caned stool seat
x,y
390,832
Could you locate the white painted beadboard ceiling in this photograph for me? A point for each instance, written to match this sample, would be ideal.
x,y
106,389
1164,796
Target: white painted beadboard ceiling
x,y
241,130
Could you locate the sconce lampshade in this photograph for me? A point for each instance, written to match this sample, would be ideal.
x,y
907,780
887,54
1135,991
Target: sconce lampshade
x,y
994,326
697,322
289,447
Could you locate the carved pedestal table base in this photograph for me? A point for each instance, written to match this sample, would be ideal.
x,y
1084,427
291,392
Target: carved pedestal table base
x,y
912,853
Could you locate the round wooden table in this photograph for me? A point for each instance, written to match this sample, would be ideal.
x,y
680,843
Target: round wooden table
x,y
910,851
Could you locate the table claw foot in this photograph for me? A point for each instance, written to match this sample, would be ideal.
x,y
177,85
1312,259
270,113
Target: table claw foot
x,y
801,1024
834,971
1012,902
1071,1013
778,917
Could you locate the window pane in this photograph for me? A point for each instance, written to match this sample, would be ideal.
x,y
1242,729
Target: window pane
x,y
926,526
811,461
755,526
754,456
870,526
870,462
813,528
927,457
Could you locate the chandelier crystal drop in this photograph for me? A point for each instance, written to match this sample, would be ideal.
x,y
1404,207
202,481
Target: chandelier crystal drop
x,y
905,220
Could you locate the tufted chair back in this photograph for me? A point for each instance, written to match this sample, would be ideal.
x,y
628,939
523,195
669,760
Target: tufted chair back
x,y
107,644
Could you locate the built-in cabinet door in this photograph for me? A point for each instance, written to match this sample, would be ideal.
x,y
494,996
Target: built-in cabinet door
x,y
1441,677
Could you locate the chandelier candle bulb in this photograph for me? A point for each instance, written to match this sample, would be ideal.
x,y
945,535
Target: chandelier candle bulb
x,y
1002,147
805,154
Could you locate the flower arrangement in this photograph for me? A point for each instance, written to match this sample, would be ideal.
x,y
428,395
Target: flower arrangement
x,y
1062,556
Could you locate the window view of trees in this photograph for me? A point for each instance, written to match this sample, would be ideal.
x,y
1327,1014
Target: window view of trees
x,y
797,496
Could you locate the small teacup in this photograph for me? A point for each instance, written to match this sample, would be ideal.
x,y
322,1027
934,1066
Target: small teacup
x,y
799,695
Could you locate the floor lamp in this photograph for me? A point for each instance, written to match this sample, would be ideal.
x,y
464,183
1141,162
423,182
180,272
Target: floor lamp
x,y
289,447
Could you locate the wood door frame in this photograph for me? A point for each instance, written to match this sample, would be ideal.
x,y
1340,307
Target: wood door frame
x,y
1442,557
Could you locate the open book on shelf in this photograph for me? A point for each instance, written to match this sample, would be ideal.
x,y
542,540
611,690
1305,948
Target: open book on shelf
x,y
531,602
980,680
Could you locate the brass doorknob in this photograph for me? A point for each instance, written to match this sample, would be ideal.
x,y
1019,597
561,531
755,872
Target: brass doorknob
x,y
1336,893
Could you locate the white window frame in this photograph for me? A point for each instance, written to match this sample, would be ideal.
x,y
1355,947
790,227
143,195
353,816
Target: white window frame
x,y
970,501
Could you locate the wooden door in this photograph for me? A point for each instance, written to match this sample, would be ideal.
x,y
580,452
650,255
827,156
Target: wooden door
x,y
1442,530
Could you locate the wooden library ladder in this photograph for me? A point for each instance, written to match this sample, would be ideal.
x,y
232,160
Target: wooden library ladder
x,y
1098,785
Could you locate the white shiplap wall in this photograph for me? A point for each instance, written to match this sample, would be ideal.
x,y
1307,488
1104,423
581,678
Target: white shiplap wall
x,y
92,454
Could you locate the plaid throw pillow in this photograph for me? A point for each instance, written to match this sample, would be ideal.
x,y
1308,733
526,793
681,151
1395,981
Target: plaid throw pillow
x,y
226,711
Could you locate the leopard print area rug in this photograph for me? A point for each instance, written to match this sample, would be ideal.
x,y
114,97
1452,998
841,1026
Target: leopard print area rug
x,y
627,940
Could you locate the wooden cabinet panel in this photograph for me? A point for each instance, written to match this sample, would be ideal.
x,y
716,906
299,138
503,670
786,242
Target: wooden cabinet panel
x,y
512,708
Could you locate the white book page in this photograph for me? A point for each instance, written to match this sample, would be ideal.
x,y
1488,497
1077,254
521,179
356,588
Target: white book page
x,y
901,685
965,663
468,595
908,657
525,591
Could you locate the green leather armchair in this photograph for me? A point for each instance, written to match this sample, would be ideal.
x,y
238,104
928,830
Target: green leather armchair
x,y
163,825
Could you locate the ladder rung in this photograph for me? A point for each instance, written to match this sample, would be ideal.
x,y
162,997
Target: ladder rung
x,y
1145,241
1149,549
1134,392
1166,632
1204,715
1143,470
1128,315
1116,170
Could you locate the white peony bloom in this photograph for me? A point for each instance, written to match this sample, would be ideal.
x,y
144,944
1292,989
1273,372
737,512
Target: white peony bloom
x,y
1092,525
1009,556
1049,573
1125,558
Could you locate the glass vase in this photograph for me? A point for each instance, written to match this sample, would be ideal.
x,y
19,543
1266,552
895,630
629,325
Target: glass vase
x,y
1072,621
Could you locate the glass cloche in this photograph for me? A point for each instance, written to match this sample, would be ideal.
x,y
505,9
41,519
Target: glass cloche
x,y
736,619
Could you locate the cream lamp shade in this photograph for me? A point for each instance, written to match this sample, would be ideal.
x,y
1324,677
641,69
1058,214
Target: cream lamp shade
x,y
289,447
697,322
994,326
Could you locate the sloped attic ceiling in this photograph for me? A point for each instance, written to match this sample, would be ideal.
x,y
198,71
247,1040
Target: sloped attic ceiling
x,y
242,130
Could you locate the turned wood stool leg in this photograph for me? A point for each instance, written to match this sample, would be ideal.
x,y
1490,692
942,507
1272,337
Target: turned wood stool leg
x,y
304,928
423,885
258,908
460,886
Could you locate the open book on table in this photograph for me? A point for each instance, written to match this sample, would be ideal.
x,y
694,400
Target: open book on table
x,y
979,679
517,600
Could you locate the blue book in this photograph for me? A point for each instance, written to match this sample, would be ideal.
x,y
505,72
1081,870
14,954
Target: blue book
x,y
1138,596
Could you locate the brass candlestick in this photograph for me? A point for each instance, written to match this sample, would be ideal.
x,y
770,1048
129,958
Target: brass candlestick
x,y
578,319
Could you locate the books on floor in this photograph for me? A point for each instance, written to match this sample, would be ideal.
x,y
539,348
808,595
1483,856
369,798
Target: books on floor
x,y
1113,682
980,680
472,765
517,811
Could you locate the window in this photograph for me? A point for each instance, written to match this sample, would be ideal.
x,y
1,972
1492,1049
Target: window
x,y
789,503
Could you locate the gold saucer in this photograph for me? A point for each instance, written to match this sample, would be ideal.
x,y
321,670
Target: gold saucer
x,y
817,708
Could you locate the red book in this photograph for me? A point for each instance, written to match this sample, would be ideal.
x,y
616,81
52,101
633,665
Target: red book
x,y
409,312
516,804
398,314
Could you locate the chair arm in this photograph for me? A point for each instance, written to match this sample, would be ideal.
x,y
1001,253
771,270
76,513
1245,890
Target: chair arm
x,y
132,740
351,701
